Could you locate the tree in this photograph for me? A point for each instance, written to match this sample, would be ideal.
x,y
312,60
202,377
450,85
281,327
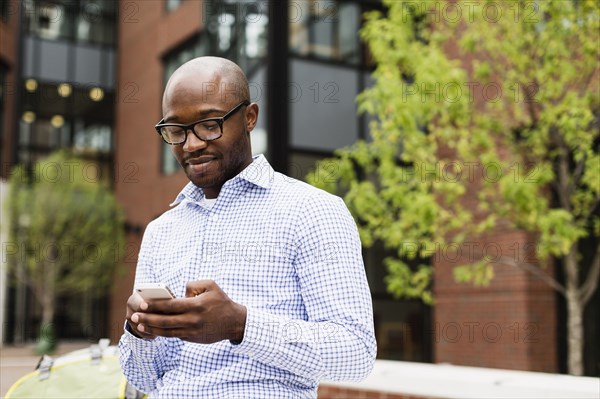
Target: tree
x,y
66,232
496,101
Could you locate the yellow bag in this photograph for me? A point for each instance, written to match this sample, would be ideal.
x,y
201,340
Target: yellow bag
x,y
86,373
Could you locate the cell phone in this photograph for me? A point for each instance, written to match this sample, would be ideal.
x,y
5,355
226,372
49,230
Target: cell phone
x,y
150,291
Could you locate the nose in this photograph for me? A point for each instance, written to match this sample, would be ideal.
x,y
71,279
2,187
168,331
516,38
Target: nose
x,y
193,143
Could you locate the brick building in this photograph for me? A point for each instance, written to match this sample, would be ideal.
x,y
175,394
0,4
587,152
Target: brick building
x,y
306,52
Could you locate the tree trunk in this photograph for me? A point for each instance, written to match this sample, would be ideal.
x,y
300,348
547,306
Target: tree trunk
x,y
574,315
48,297
47,307
47,341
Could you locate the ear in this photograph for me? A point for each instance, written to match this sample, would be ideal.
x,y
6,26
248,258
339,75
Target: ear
x,y
251,116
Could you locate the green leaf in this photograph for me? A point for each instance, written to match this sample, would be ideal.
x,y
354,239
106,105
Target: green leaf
x,y
478,126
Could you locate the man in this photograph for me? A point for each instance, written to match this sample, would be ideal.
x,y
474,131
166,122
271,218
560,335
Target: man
x,y
267,270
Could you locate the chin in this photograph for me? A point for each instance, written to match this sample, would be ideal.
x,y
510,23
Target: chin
x,y
203,181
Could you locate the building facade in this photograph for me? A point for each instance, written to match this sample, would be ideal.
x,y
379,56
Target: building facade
x,y
89,75
58,64
313,70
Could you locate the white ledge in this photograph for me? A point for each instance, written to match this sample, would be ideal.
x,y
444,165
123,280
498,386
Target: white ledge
x,y
461,382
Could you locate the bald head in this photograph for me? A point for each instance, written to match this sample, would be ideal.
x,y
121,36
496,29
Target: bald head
x,y
202,93
211,75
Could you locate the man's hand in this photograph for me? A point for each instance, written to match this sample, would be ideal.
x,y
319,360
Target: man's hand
x,y
205,315
136,304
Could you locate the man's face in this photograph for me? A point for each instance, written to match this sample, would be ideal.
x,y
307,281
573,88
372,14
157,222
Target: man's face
x,y
209,164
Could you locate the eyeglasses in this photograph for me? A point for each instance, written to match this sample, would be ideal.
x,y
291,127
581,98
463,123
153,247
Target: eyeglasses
x,y
206,129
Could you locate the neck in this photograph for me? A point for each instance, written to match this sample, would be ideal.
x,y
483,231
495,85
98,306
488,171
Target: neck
x,y
213,192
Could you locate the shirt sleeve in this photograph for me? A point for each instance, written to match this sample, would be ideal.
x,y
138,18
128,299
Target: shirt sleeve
x,y
337,340
144,362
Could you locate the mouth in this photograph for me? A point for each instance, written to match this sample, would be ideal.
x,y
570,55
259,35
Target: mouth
x,y
200,164
200,160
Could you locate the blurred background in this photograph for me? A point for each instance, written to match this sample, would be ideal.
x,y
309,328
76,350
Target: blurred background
x,y
88,75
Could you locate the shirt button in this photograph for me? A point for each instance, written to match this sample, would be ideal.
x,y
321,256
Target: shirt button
x,y
181,378
214,217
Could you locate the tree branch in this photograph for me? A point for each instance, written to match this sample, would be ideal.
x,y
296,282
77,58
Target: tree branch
x,y
595,204
587,82
535,270
591,283
531,103
563,170
577,174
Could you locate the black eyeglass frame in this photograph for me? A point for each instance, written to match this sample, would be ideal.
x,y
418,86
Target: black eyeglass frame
x,y
186,128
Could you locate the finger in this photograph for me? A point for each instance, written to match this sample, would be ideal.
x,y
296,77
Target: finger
x,y
173,330
139,329
136,302
195,288
160,321
206,333
175,306
161,332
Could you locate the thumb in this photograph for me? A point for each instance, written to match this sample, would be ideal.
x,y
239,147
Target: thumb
x,y
195,288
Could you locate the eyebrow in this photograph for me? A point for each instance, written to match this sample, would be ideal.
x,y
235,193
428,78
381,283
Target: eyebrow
x,y
203,115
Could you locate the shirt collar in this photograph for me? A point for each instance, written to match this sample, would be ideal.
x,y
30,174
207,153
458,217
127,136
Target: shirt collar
x,y
259,173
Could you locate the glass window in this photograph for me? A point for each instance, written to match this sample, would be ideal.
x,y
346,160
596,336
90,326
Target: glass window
x,y
44,134
84,21
326,93
41,135
237,30
321,35
2,130
48,20
4,7
24,133
193,49
401,325
92,137
169,164
326,30
171,5
347,30
225,32
68,99
299,42
96,22
256,35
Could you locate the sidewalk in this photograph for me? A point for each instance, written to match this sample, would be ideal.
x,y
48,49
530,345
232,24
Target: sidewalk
x,y
16,361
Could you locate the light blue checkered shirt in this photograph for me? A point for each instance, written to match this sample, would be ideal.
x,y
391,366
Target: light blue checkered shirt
x,y
287,251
